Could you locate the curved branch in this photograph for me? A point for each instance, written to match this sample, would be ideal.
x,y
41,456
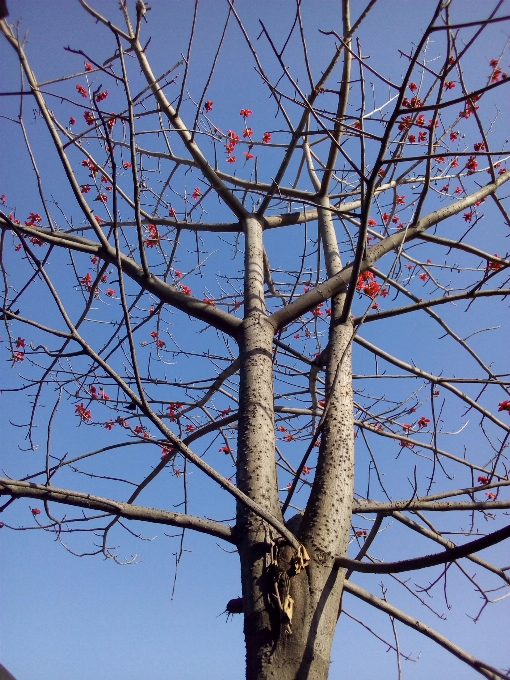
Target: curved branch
x,y
138,512
449,555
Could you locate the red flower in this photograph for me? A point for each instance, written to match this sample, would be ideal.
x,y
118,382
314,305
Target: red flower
x,y
248,155
18,356
385,217
208,106
225,449
231,159
413,87
306,470
504,405
423,277
85,188
289,437
109,424
84,413
490,496
102,198
20,342
139,429
360,532
494,266
483,480
208,301
468,216
110,292
449,85
35,511
412,139
422,136
248,132
101,95
186,290
266,137
88,67
245,113
127,165
72,121
81,90
196,193
479,146
89,118
423,422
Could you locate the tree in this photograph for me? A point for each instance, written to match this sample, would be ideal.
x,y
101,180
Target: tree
x,y
379,189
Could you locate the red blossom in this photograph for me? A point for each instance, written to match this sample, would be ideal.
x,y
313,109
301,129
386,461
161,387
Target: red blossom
x,y
171,212
454,136
360,532
504,405
85,188
247,132
89,118
246,113
101,95
371,222
483,480
84,413
490,496
102,198
422,136
225,449
306,470
231,159
81,90
18,356
413,87
110,292
35,511
88,67
208,106
196,193
72,121
127,165
449,85
468,216
423,422
186,290
108,425
472,163
20,342
412,139
248,155
266,137
423,277
289,437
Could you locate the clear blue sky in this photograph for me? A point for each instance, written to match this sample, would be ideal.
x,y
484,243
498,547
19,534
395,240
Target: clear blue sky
x,y
62,617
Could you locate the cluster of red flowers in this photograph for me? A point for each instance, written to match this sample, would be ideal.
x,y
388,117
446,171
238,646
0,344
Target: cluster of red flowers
x,y
504,405
472,163
173,411
84,413
82,90
153,237
208,106
368,285
497,73
33,220
159,343
225,449
89,118
360,532
101,95
91,166
98,395
196,193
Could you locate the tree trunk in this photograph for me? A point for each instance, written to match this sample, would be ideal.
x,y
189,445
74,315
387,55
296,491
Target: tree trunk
x,y
290,613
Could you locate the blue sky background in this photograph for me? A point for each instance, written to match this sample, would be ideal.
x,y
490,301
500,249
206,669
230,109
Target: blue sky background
x,y
63,617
